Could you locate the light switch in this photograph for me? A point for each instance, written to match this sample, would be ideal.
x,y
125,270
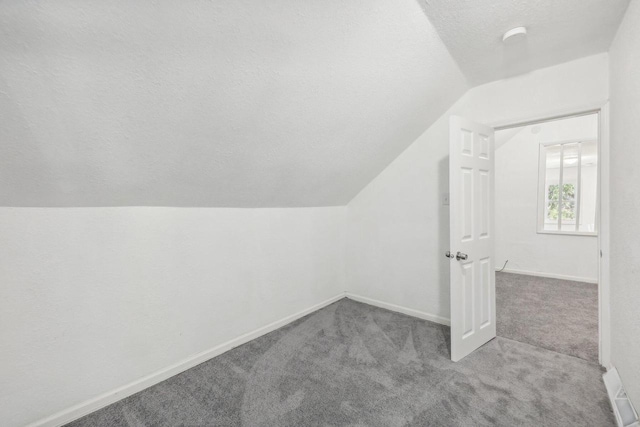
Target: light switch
x,y
445,199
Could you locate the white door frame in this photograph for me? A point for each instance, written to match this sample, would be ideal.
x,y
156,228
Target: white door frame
x,y
604,315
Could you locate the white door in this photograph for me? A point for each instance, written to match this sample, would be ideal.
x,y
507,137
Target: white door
x,y
473,286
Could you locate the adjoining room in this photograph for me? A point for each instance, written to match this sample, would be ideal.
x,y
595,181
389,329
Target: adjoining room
x,y
312,213
547,235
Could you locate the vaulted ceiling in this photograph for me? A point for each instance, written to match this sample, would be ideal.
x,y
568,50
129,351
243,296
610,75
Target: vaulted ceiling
x,y
235,103
212,103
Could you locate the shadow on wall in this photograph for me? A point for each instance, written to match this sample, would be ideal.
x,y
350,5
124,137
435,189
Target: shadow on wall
x,y
443,233
423,7
444,240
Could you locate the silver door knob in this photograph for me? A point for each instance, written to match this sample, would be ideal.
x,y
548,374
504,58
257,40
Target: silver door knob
x,y
448,254
461,256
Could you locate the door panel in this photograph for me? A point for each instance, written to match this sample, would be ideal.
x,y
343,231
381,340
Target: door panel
x,y
471,181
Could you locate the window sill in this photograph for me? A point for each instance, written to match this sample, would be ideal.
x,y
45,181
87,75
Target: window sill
x,y
570,233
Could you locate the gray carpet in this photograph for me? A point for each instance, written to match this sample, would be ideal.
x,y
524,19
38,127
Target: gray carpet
x,y
352,364
558,315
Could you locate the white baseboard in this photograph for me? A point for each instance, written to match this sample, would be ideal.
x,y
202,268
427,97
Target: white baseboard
x,y
400,309
550,275
91,405
626,416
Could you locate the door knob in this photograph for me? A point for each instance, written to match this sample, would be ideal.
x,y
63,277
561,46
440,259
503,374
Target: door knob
x,y
461,256
448,254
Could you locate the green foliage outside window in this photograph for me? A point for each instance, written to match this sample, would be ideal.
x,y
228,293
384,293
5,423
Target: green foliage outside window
x,y
568,202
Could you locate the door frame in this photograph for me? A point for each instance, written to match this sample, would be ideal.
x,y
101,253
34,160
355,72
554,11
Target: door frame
x,y
603,217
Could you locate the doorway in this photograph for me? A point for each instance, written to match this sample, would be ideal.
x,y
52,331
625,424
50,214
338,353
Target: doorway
x,y
547,223
561,203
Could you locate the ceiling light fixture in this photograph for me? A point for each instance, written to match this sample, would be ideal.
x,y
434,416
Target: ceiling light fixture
x,y
518,31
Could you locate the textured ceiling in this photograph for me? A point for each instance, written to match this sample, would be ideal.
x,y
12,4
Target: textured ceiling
x,y
558,31
249,104
212,103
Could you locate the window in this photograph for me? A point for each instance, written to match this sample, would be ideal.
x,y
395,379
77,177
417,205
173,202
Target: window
x,y
568,187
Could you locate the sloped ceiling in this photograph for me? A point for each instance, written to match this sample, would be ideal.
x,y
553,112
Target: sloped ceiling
x,y
212,103
558,31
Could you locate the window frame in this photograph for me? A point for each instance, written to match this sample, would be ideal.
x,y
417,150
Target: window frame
x,y
542,190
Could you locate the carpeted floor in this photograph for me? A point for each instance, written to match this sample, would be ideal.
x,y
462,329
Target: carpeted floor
x,y
558,315
352,364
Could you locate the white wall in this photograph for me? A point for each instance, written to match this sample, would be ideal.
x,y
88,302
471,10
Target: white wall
x,y
95,298
516,214
398,233
625,202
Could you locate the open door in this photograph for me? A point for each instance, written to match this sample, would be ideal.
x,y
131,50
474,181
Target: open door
x,y
473,285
